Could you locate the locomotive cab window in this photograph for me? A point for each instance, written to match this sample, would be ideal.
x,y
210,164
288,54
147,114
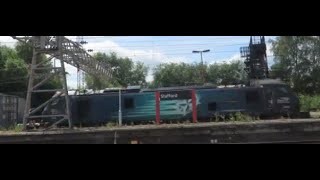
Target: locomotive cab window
x,y
128,103
252,97
83,107
212,106
282,90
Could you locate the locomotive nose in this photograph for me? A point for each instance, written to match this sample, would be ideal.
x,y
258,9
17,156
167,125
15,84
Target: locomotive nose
x,y
295,104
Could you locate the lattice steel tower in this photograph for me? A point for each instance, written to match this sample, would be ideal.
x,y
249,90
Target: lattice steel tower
x,y
67,51
256,58
80,73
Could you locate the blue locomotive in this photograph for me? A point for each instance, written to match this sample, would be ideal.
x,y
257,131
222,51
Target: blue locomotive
x,y
267,98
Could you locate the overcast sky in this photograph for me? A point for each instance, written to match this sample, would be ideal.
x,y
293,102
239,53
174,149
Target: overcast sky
x,y
153,50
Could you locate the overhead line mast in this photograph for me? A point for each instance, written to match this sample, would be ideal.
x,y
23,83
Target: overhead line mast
x,y
67,51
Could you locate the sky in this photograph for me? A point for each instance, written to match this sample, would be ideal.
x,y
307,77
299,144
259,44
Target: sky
x,y
153,50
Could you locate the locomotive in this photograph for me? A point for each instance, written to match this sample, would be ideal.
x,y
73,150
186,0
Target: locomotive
x,y
261,96
266,98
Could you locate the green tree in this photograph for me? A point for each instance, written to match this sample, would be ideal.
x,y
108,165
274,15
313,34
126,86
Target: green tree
x,y
125,72
13,72
139,74
178,74
297,62
232,73
14,65
174,74
25,52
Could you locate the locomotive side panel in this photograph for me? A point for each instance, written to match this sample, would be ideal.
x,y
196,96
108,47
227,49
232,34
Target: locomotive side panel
x,y
280,100
176,105
254,101
219,101
105,108
225,101
138,107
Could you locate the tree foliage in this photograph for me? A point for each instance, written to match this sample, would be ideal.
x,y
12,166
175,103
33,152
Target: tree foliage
x,y
174,74
125,72
227,73
14,65
297,62
13,72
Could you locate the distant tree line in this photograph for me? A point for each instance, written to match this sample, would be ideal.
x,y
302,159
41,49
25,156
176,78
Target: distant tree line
x,y
126,72
182,74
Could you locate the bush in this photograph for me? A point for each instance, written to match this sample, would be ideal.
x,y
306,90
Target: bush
x,y
309,103
111,124
13,128
238,116
232,117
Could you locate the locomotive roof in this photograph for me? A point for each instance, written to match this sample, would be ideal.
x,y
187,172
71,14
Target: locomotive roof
x,y
266,82
254,84
1,94
179,88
